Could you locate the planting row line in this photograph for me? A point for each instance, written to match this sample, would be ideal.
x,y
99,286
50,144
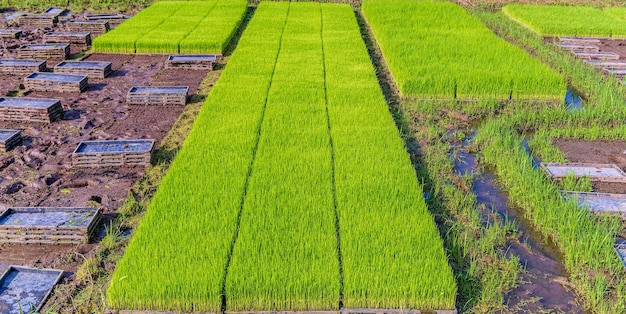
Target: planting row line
x,y
293,190
435,49
176,27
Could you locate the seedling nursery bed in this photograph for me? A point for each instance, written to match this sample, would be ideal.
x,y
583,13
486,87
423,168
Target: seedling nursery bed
x,y
22,67
157,95
91,69
24,290
9,139
117,153
38,20
48,225
83,38
30,109
55,82
10,33
192,62
95,28
44,51
599,202
596,172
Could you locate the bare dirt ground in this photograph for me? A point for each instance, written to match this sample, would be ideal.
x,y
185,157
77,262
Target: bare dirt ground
x,y
600,152
39,172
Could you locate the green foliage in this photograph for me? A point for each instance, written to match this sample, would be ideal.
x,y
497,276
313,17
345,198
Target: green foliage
x,y
553,20
174,26
270,170
435,49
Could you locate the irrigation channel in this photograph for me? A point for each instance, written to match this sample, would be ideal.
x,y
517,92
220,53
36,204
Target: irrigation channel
x,y
543,284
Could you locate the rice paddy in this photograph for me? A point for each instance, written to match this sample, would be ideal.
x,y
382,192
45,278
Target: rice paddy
x,y
277,180
176,27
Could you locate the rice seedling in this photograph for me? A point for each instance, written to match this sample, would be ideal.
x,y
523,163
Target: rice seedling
x,y
439,51
553,20
203,26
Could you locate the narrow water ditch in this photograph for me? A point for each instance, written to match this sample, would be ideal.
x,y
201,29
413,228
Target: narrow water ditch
x,y
543,284
573,100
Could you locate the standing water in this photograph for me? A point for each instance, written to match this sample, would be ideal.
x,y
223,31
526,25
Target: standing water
x,y
573,101
542,285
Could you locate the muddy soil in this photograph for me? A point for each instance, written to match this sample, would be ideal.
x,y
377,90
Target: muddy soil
x,y
614,45
39,172
601,152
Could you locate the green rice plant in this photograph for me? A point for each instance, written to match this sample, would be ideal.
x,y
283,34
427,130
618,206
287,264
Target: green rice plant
x,y
288,220
392,255
215,31
435,49
554,20
178,255
207,26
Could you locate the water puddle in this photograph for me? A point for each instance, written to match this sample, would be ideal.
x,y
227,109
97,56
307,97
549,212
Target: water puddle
x,y
573,101
542,286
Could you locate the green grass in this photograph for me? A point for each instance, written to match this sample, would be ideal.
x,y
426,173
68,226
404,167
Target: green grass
x,y
553,20
436,49
176,26
271,168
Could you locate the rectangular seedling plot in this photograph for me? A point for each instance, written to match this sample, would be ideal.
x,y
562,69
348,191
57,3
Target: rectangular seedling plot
x,y
44,51
617,73
91,69
55,82
55,11
157,95
582,48
596,172
113,19
30,109
579,40
609,65
22,67
24,290
38,20
596,55
599,202
96,28
48,225
83,38
117,153
10,33
192,62
9,139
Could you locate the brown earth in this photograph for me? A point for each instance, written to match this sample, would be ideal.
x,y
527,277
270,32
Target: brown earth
x,y
600,152
39,172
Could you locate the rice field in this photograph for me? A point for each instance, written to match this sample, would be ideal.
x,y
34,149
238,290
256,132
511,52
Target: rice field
x,y
436,50
552,20
271,202
176,27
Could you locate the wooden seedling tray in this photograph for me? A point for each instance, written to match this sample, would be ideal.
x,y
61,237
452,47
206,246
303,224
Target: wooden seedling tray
x,y
30,286
38,20
83,38
577,47
44,51
113,19
22,67
157,95
579,40
95,28
596,55
192,62
55,82
619,73
55,11
48,225
9,139
596,172
599,202
91,69
30,109
118,153
10,33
